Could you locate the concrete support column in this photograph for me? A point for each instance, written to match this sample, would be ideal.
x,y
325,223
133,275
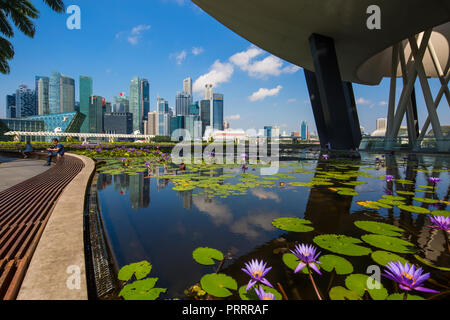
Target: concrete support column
x,y
336,98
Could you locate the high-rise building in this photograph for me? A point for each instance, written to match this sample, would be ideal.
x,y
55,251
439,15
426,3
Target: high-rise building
x,y
194,108
205,114
136,103
152,124
187,86
42,94
381,124
163,117
118,123
177,122
193,125
162,106
268,132
217,114
208,91
96,111
144,88
11,106
86,91
25,102
121,103
304,130
275,132
61,93
182,102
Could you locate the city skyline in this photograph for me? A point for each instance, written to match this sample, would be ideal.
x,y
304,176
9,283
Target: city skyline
x,y
260,88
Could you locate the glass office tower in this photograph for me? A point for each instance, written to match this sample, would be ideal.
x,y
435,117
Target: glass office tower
x,y
86,91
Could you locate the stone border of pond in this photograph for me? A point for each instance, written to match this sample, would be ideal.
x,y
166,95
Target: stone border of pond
x,y
57,269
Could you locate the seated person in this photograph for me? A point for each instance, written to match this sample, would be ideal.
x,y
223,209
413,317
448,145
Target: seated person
x,y
56,150
28,150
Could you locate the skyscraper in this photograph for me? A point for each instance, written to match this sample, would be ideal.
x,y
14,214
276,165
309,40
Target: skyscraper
x,y
187,86
205,114
121,103
61,93
42,92
152,128
163,117
144,88
217,114
25,102
208,91
304,130
182,102
194,108
11,106
85,93
96,104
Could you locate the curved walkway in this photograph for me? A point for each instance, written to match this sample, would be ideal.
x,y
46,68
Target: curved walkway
x,y
17,170
26,212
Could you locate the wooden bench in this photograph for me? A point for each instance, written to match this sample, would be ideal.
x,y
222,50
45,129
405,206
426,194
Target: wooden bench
x,y
24,211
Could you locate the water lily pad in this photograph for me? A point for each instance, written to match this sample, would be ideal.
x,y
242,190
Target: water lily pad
x,y
341,244
341,293
301,184
369,204
395,198
348,193
406,193
291,261
426,200
400,296
428,263
388,243
340,264
205,256
251,294
360,283
405,181
414,209
440,213
292,224
384,257
139,269
217,284
141,290
391,202
379,228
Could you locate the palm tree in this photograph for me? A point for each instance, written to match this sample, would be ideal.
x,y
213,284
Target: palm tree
x,y
21,13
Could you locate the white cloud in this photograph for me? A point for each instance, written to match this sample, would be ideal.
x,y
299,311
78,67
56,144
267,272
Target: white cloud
x,y
135,34
292,100
218,73
382,103
269,66
197,50
180,57
233,117
262,93
363,101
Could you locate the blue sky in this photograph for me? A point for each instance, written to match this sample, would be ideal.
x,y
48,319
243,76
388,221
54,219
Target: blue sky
x,y
166,41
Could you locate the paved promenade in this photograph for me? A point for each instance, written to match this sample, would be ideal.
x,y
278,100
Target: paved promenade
x,y
16,170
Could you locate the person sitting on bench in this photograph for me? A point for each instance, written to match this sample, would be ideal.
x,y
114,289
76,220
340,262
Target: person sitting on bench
x,y
56,150
28,150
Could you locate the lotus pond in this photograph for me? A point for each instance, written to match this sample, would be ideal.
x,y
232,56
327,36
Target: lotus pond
x,y
213,231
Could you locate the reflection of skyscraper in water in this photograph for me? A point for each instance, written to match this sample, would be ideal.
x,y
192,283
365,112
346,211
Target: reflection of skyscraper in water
x,y
121,182
187,198
161,183
139,191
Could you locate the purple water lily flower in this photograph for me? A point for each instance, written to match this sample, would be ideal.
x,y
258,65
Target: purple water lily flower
x,y
389,178
307,256
440,223
325,156
407,277
123,159
434,180
256,270
147,164
262,295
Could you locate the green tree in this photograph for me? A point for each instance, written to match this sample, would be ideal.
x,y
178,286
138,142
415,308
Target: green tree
x,y
20,13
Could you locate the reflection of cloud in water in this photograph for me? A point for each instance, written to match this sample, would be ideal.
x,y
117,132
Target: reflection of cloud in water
x,y
252,224
264,194
219,212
